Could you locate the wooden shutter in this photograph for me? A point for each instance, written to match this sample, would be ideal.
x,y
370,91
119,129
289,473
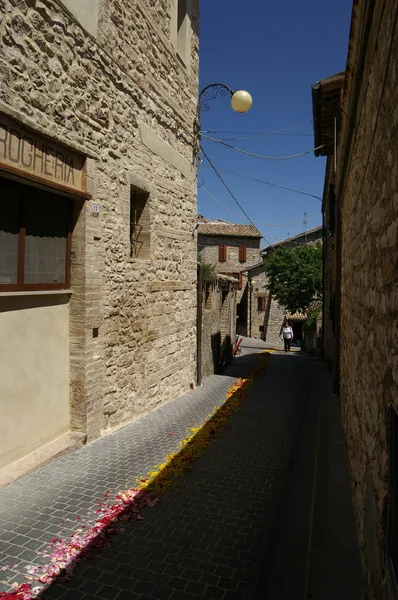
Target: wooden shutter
x,y
240,281
242,253
222,253
261,303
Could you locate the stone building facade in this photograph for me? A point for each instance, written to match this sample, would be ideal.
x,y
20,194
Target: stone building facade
x,y
329,90
307,238
267,316
98,296
258,301
231,248
218,323
361,200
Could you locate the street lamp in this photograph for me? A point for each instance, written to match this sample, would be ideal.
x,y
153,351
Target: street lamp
x,y
241,101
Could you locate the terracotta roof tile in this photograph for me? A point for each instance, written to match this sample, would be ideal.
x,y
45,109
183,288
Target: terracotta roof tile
x,y
228,229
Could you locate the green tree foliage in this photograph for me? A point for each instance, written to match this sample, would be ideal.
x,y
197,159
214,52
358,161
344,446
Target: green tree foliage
x,y
208,271
295,275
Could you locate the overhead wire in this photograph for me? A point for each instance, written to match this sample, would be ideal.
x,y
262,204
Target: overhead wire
x,y
249,134
282,187
257,222
261,156
229,191
265,133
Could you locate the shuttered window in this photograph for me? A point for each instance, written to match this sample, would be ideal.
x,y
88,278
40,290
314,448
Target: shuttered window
x,y
242,253
237,276
222,253
261,303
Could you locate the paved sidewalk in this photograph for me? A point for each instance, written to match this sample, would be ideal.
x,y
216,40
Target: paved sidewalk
x,y
202,537
313,552
48,502
208,535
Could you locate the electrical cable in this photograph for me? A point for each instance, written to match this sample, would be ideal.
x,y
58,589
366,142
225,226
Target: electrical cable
x,y
262,156
257,222
230,192
282,187
252,134
278,131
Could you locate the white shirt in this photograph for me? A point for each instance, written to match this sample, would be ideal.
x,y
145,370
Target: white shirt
x,y
287,332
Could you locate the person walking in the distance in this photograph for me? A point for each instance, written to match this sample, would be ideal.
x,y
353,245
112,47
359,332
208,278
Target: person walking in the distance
x,y
287,336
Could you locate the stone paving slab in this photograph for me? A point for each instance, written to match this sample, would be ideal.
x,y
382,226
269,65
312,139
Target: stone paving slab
x,y
313,551
204,538
48,502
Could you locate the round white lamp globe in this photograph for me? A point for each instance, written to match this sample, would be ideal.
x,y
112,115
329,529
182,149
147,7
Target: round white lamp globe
x,y
241,101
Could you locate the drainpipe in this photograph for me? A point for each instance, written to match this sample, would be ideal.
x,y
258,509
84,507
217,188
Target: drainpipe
x,y
199,324
249,282
337,340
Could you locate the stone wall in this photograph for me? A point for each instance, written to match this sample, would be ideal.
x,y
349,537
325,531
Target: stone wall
x,y
367,190
123,98
275,317
311,341
208,249
259,290
271,319
330,258
218,323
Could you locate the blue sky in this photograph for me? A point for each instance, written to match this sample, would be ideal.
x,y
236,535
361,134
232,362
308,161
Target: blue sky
x,y
276,51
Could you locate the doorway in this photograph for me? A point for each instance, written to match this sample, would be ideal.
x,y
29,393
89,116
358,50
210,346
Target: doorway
x,y
241,314
297,327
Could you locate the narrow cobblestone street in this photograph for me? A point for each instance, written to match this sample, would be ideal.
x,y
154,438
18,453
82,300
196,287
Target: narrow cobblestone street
x,y
209,535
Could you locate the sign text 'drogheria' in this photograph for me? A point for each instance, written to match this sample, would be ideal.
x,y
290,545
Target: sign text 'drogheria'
x,y
35,155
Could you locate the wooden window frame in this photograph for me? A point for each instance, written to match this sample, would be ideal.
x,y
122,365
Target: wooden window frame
x,y
242,253
261,303
21,286
239,277
139,204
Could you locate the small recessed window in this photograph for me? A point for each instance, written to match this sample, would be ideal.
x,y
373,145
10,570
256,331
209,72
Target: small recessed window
x,y
140,236
261,303
239,277
182,30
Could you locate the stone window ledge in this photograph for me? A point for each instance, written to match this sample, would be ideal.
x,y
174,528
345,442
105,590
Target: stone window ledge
x,y
36,293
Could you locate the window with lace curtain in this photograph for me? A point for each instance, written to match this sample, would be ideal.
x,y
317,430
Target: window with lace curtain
x,y
35,238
